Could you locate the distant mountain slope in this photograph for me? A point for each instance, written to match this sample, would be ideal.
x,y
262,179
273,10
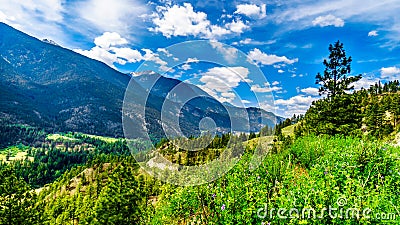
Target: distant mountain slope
x,y
45,85
200,104
57,88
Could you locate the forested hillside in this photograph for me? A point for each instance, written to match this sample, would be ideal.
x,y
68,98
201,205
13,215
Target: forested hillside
x,y
337,164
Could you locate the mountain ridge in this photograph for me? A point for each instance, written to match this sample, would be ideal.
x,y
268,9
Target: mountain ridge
x,y
48,86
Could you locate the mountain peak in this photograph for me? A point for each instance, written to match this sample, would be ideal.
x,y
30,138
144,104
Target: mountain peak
x,y
50,42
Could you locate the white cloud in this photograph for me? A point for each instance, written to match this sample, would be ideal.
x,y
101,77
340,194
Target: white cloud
x,y
219,82
38,18
310,91
229,53
281,71
257,88
100,54
392,72
298,104
328,20
180,21
365,82
237,26
249,41
151,56
296,15
186,67
246,41
50,11
252,10
127,54
109,39
373,33
264,59
109,49
184,21
192,60
275,83
119,16
217,31
165,51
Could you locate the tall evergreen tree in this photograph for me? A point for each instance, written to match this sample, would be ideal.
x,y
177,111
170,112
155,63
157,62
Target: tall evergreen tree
x,y
335,80
121,201
17,202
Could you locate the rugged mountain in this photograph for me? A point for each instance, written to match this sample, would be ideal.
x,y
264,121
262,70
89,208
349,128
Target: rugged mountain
x,y
48,86
199,104
45,85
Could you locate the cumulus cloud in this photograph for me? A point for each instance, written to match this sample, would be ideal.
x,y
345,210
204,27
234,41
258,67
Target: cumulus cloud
x,y
219,82
151,56
328,20
180,21
164,51
111,48
102,55
252,10
373,33
127,54
186,65
237,26
265,59
392,72
109,39
298,104
310,91
183,20
365,82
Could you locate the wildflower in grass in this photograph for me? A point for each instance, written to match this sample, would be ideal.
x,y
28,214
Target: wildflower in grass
x,y
223,207
326,172
214,195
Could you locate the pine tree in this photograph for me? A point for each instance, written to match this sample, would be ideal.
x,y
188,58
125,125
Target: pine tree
x,y
121,201
335,80
17,202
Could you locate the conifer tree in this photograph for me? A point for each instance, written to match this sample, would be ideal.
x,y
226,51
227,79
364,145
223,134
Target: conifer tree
x,y
335,79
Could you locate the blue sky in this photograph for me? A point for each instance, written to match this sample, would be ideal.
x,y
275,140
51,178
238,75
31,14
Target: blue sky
x,y
286,40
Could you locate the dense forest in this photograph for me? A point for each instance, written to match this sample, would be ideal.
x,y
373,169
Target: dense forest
x,y
337,164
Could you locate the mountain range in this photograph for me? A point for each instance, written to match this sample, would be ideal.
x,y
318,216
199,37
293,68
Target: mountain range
x,y
48,86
